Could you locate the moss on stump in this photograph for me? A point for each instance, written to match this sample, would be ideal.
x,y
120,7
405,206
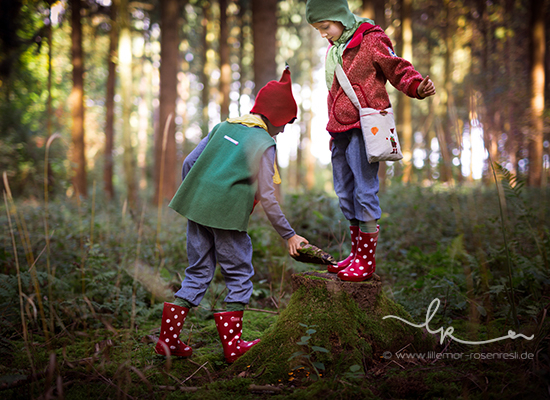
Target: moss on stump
x,y
348,323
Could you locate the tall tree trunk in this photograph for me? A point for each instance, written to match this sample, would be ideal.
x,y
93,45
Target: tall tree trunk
x,y
78,151
444,136
125,70
484,41
144,136
50,73
405,106
110,106
204,76
511,48
298,172
375,10
536,137
165,146
244,18
225,66
309,159
264,28
428,126
49,174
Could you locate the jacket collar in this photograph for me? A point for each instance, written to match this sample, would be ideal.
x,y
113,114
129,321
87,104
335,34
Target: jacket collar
x,y
358,35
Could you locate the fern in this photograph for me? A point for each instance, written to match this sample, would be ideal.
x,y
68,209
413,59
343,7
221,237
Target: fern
x,y
514,186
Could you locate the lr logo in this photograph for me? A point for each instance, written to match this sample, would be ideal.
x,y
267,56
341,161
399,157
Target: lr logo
x,y
449,331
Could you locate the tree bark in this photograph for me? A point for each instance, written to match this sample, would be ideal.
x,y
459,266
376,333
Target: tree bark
x,y
445,137
309,159
225,66
78,151
145,135
264,28
405,106
165,146
344,315
125,70
110,106
49,172
204,76
375,10
536,136
364,293
242,40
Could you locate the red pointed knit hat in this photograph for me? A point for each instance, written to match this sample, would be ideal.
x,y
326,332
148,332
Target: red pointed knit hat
x,y
276,102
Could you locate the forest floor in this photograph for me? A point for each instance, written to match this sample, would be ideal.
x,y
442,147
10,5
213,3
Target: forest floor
x,y
82,289
109,363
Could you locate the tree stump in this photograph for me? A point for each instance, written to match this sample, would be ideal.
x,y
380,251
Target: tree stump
x,y
363,293
345,318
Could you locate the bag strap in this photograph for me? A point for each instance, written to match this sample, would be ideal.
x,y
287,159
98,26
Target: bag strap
x,y
346,85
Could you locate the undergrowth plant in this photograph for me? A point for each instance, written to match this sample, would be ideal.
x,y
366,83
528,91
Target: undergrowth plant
x,y
307,355
423,253
100,269
514,187
354,372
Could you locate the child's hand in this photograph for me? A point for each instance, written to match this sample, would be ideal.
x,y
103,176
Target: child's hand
x,y
295,243
426,88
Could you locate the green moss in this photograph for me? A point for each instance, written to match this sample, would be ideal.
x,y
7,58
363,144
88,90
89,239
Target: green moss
x,y
325,389
350,334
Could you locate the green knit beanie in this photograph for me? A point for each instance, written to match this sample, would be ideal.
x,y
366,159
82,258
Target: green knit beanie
x,y
329,10
334,10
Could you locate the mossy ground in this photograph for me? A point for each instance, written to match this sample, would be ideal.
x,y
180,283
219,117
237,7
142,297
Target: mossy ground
x,y
105,363
94,354
351,335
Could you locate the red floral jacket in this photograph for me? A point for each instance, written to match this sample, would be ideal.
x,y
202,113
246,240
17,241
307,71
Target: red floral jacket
x,y
369,61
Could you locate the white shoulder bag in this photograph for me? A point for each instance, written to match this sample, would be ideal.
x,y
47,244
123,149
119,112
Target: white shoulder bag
x,y
378,126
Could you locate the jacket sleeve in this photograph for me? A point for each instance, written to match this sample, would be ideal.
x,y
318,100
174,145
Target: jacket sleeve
x,y
397,70
266,195
192,157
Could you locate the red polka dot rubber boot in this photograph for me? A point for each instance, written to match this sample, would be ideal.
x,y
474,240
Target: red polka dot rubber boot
x,y
230,327
173,317
364,264
354,230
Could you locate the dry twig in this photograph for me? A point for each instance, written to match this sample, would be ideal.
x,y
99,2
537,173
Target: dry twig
x,y
193,374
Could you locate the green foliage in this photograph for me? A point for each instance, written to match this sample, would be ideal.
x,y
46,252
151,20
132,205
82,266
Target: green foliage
x,y
433,243
23,94
355,372
451,238
308,354
106,278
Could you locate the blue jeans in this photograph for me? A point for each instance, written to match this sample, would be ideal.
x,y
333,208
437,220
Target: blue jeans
x,y
355,180
205,247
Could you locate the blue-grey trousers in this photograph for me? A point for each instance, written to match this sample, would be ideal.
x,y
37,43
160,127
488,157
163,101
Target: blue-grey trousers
x,y
355,180
205,247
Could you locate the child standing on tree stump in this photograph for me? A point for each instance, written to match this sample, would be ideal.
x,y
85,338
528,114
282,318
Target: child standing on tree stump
x,y
223,178
367,57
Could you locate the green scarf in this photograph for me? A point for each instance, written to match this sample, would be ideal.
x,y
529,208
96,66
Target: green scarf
x,y
334,55
334,10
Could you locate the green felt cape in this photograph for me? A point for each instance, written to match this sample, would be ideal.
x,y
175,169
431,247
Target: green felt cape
x,y
219,189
